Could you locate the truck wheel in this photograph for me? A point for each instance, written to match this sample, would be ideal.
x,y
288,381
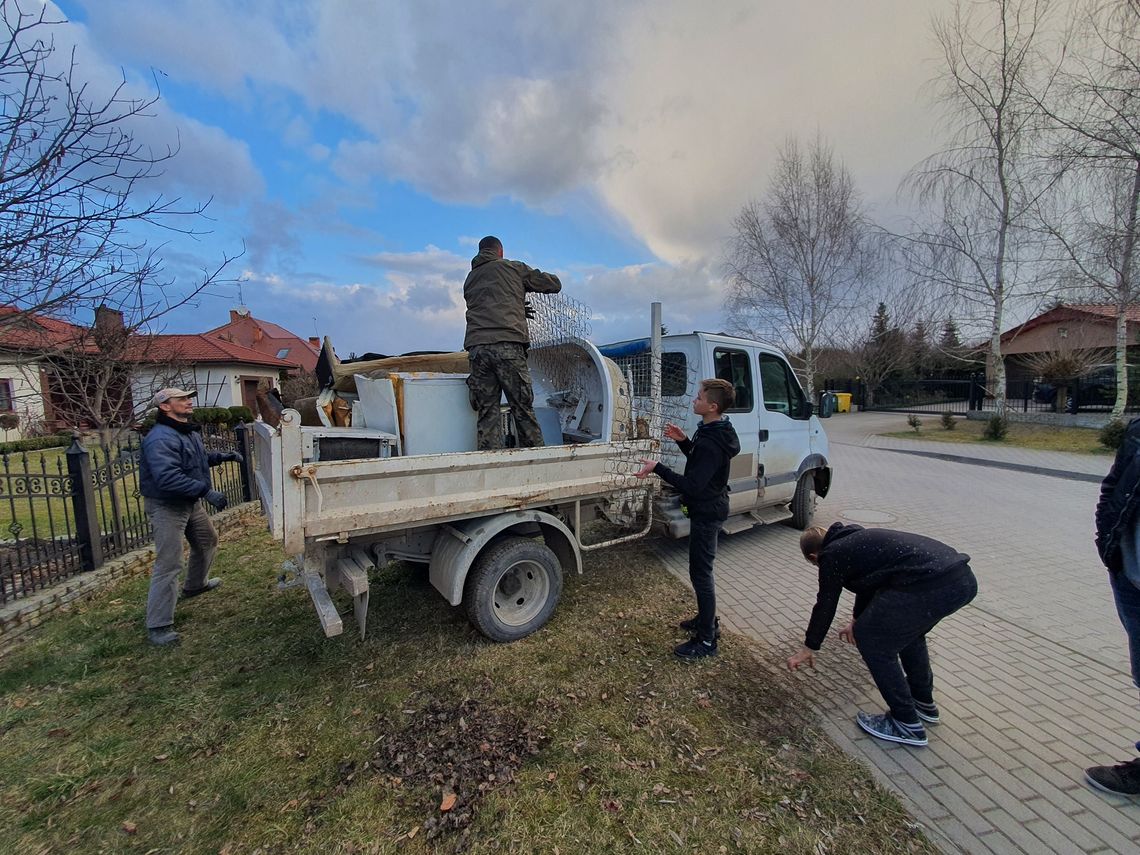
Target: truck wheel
x,y
803,502
513,588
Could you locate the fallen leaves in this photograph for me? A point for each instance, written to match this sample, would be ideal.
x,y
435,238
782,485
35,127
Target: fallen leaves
x,y
447,803
129,827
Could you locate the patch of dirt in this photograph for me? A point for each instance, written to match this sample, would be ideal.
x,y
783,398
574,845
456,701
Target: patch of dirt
x,y
460,750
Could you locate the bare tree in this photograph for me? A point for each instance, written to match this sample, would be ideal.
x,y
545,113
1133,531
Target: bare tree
x,y
983,188
799,258
1093,105
71,174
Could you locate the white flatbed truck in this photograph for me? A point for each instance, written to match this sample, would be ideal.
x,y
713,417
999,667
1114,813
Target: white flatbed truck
x,y
499,529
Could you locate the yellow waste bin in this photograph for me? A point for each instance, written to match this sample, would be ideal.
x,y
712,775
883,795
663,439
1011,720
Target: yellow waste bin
x,y
842,402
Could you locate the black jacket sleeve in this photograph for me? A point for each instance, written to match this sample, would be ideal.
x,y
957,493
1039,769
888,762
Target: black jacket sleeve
x,y
698,472
823,613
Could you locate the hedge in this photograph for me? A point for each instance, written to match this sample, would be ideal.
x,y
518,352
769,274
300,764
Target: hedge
x,y
35,443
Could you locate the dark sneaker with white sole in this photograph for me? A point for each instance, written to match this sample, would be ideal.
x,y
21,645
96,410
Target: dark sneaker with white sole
x,y
1123,779
690,626
694,649
886,726
927,712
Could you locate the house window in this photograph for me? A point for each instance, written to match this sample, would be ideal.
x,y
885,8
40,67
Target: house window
x,y
7,405
282,353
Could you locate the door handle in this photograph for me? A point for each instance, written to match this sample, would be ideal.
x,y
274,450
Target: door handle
x,y
763,436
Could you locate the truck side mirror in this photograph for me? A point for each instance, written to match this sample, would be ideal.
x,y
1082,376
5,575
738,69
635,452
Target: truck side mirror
x,y
827,402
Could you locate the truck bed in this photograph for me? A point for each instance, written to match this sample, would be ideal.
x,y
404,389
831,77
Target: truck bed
x,y
312,501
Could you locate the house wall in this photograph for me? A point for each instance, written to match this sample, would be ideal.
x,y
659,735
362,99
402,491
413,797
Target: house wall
x,y
218,385
28,400
1077,335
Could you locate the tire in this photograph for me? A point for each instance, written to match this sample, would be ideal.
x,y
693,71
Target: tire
x,y
803,502
513,588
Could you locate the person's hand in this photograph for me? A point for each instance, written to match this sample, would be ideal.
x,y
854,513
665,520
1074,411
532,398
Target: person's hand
x,y
674,433
647,467
848,632
217,499
806,656
234,456
528,309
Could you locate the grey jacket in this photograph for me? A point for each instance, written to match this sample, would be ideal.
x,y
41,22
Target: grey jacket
x,y
495,292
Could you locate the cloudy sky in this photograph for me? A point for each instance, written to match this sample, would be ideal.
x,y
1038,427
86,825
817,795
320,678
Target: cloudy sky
x,y
358,149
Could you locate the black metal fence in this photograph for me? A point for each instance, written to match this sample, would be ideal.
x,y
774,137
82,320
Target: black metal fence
x,y
66,512
959,395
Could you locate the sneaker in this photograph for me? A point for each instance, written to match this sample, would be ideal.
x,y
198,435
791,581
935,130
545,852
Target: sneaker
x,y
162,636
927,712
1123,779
210,585
690,626
886,726
694,649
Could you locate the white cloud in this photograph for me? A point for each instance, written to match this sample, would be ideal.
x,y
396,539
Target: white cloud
x,y
669,112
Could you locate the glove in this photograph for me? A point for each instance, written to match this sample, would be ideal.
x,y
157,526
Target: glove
x,y
235,456
217,499
529,309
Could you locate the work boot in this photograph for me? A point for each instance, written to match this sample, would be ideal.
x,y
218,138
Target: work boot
x,y
162,635
690,626
210,585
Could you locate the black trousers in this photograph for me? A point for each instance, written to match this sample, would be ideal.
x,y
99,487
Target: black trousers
x,y
891,636
702,552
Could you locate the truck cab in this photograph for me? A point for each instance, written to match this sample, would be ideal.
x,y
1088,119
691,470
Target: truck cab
x,y
783,463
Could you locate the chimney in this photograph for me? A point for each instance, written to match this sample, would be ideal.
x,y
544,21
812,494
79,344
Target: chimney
x,y
315,342
234,315
108,320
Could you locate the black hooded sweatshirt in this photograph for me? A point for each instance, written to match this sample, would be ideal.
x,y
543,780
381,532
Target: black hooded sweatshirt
x,y
866,560
704,486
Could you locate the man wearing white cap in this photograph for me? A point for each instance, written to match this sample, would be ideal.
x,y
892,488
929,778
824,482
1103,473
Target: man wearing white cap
x,y
174,474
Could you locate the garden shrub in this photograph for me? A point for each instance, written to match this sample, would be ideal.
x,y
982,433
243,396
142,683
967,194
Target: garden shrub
x,y
36,443
1112,434
996,428
948,421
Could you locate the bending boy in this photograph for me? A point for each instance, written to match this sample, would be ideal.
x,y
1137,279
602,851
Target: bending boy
x,y
904,584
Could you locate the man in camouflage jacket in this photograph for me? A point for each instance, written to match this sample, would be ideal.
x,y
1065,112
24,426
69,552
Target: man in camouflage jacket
x,y
497,340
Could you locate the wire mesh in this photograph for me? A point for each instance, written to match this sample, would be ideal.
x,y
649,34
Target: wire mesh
x,y
647,425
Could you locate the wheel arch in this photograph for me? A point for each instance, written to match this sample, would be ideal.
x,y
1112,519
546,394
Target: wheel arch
x,y
457,547
822,473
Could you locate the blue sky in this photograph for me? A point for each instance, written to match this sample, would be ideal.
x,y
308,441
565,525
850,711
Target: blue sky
x,y
359,149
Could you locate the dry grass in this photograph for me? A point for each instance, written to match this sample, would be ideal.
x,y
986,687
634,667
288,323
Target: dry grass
x,y
1040,437
260,735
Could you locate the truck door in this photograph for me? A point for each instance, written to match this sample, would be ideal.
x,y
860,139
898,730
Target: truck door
x,y
784,437
734,364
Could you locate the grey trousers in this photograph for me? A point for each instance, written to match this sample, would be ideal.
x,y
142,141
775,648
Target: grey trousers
x,y
170,521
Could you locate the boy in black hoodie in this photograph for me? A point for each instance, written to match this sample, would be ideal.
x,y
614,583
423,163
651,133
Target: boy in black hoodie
x,y
704,492
904,584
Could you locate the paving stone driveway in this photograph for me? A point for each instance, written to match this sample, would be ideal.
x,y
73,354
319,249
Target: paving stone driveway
x,y
1032,678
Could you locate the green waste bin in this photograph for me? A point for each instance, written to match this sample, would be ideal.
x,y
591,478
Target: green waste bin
x,y
842,402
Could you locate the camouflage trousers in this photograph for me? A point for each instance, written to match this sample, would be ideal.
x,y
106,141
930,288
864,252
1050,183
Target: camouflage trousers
x,y
497,369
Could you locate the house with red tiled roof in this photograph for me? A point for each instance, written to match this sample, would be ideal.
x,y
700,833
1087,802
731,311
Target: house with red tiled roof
x,y
223,372
269,339
1075,327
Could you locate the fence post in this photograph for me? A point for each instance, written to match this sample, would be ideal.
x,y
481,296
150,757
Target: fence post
x,y
245,467
83,503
